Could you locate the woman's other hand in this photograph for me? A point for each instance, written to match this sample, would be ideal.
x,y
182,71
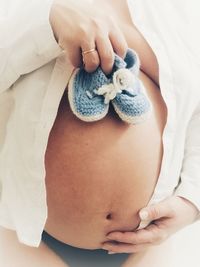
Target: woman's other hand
x,y
167,217
80,26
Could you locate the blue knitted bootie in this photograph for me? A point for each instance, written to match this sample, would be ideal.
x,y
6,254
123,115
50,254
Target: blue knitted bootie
x,y
91,93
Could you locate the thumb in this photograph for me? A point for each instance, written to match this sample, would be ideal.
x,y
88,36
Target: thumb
x,y
156,211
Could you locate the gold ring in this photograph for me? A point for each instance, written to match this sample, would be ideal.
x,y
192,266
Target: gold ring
x,y
88,51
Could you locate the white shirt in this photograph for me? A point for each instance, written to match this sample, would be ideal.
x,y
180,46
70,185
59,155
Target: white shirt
x,y
34,72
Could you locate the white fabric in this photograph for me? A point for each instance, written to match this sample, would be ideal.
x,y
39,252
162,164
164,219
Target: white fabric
x,y
33,76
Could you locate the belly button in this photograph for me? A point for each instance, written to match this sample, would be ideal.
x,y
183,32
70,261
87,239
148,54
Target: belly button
x,y
109,216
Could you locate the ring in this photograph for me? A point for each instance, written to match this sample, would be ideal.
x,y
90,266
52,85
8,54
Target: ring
x,y
88,51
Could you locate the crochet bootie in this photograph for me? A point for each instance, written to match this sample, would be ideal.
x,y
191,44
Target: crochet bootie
x,y
91,93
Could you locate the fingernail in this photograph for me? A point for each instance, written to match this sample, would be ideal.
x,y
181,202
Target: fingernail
x,y
143,215
111,252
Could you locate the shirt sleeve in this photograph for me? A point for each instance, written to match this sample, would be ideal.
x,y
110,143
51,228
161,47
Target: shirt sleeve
x,y
26,40
189,186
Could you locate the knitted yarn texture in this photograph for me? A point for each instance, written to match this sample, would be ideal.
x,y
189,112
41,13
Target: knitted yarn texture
x,y
90,94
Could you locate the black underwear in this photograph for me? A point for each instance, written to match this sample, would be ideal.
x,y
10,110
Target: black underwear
x,y
76,257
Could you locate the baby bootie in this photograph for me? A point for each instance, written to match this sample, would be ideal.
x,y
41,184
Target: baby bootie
x,y
84,103
91,93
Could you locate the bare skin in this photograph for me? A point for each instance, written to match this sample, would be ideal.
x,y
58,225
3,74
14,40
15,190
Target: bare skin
x,y
15,254
97,170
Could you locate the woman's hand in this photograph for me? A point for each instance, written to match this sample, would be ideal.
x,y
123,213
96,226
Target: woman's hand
x,y
167,217
80,26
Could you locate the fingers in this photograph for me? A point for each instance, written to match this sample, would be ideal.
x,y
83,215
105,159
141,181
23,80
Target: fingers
x,y
102,55
74,55
118,42
106,53
152,234
157,211
135,242
125,248
105,46
91,61
91,58
141,236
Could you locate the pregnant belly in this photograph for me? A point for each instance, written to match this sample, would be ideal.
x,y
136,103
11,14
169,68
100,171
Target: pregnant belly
x,y
99,175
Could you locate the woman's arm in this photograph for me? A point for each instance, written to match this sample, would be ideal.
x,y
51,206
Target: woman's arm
x,y
26,39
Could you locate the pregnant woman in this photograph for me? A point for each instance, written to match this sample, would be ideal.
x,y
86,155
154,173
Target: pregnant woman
x,y
98,175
